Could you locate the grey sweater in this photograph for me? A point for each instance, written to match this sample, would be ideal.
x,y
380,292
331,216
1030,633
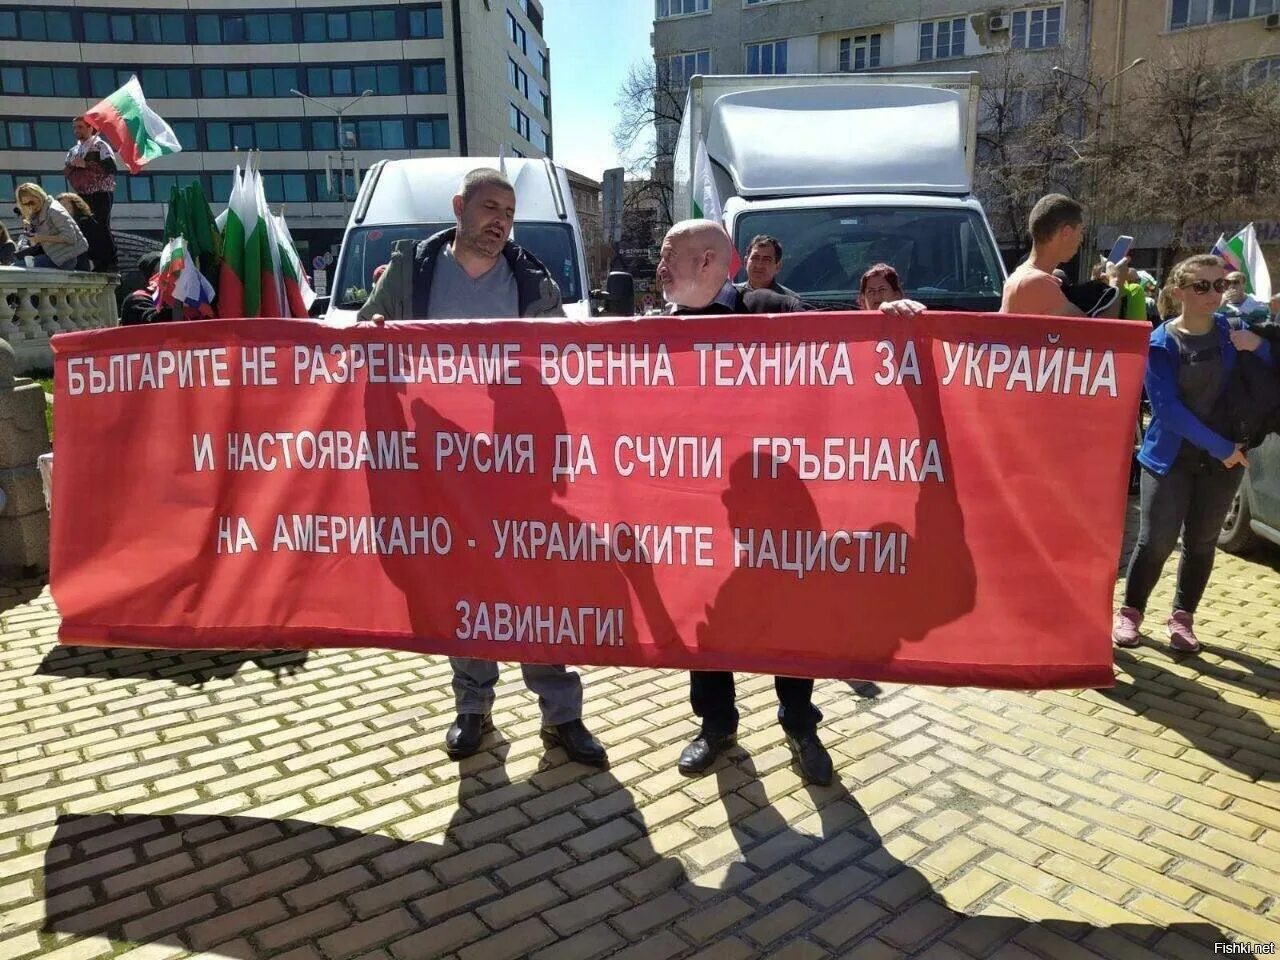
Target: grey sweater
x,y
68,243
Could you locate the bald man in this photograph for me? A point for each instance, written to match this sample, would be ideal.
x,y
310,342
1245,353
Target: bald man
x,y
694,273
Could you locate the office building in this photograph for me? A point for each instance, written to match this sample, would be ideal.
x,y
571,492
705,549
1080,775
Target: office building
x,y
461,77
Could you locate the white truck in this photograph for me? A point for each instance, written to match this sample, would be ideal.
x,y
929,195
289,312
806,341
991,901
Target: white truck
x,y
845,170
412,199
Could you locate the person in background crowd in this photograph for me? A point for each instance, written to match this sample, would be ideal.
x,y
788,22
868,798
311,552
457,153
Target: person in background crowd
x,y
1133,298
880,284
693,270
51,228
75,205
1151,293
472,271
139,306
8,249
1240,306
1056,226
90,169
764,260
1189,472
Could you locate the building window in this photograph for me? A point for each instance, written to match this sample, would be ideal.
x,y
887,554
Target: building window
x,y
768,57
214,28
861,52
517,77
428,77
1195,13
676,71
519,36
134,28
42,81
1037,28
1262,71
43,25
248,81
540,138
260,134
519,120
432,133
426,23
156,81
940,39
382,79
546,103
679,8
544,64
323,26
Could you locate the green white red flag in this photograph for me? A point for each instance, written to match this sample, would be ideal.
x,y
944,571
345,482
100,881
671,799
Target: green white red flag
x,y
136,132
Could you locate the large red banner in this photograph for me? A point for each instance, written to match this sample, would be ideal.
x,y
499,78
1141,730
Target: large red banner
x,y
935,500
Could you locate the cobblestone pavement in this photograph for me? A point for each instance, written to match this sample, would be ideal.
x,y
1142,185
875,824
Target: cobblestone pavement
x,y
161,805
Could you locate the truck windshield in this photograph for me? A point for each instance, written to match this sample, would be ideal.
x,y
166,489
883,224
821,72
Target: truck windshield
x,y
367,247
945,257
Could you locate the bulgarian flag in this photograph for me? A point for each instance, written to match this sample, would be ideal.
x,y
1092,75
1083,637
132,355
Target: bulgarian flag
x,y
706,200
270,283
237,220
297,289
1243,253
136,132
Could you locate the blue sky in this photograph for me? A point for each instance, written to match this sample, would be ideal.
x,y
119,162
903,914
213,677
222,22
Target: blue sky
x,y
593,44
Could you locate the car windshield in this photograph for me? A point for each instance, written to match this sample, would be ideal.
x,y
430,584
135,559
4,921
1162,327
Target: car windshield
x,y
365,248
944,257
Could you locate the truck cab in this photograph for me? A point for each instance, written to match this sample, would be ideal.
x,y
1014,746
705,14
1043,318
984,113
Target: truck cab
x,y
846,171
413,199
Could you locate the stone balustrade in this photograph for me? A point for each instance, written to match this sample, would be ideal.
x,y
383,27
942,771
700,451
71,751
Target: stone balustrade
x,y
36,304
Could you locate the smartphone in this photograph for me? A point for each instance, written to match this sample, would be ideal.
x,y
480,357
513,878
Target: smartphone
x,y
1121,249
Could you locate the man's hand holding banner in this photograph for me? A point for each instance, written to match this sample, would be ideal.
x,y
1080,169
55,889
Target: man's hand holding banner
x,y
933,500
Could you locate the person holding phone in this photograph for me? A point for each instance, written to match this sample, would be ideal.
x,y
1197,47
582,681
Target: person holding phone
x,y
1189,471
1056,226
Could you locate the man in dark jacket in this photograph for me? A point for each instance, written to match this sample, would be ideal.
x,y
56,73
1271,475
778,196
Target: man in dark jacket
x,y
468,271
693,270
764,260
473,271
139,307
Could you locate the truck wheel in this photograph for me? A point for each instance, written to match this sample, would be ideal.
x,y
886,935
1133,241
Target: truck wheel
x,y
1236,535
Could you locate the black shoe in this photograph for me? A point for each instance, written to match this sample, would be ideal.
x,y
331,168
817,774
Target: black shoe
x,y
702,751
577,742
463,738
811,756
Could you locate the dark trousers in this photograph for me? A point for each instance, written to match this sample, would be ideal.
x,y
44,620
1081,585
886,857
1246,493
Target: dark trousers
x,y
102,247
1192,498
711,695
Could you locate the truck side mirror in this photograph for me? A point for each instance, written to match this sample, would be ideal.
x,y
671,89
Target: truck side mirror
x,y
620,294
319,307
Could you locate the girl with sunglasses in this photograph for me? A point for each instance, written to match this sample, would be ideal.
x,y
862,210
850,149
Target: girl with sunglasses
x,y
1189,472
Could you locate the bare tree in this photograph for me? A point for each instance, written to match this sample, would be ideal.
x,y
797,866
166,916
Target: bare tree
x,y
1032,137
1195,143
650,108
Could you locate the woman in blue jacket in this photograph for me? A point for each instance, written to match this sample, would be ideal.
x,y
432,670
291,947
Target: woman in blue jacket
x,y
1190,473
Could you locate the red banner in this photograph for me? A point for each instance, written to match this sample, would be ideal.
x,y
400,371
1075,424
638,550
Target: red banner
x,y
938,500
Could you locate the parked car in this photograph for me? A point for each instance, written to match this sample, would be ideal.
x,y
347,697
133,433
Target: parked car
x,y
1255,513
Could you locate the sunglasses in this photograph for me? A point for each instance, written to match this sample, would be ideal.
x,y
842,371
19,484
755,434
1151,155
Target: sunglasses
x,y
1204,286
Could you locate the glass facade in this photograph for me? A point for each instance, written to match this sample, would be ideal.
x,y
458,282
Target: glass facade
x,y
187,82
107,25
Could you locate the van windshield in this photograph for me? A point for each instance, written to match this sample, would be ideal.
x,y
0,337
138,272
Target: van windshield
x,y
945,257
367,247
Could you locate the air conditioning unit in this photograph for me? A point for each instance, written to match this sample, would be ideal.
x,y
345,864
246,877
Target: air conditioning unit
x,y
1272,22
997,23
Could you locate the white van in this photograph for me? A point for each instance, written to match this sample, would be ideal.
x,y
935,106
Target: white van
x,y
846,170
412,199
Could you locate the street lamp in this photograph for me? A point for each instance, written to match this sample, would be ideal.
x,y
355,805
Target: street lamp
x,y
342,151
1091,229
